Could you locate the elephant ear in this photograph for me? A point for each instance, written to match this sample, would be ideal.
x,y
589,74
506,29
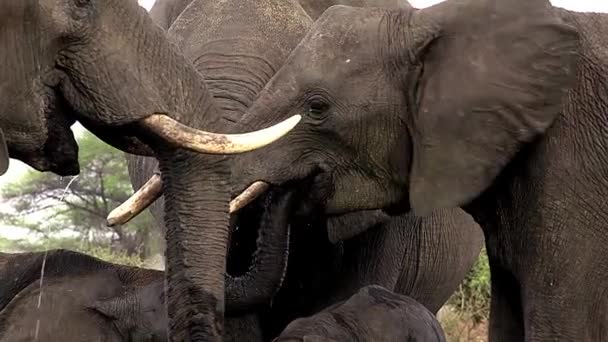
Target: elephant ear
x,y
493,78
4,158
116,308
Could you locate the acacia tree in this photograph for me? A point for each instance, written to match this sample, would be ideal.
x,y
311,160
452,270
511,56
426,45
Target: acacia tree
x,y
53,207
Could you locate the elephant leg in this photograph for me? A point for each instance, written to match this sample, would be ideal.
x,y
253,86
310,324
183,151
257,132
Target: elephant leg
x,y
506,320
547,290
570,306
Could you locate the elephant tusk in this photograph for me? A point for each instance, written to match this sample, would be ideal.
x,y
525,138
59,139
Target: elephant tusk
x,y
247,196
153,189
138,202
214,143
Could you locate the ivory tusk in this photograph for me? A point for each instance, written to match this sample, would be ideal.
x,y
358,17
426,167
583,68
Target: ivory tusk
x,y
138,202
153,189
214,143
247,196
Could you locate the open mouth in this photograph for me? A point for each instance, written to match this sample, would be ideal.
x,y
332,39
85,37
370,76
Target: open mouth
x,y
259,237
245,226
50,146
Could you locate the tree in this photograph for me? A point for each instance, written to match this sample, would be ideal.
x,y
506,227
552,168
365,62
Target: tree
x,y
71,211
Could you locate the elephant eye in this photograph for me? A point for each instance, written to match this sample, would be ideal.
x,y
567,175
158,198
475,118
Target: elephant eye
x,y
317,107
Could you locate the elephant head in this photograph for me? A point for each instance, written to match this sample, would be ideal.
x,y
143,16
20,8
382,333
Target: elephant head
x,y
372,314
139,313
80,298
411,108
108,66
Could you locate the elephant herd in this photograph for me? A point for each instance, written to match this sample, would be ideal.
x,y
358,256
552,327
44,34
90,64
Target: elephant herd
x,y
385,145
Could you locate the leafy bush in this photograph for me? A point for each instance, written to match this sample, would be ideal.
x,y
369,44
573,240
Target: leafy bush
x,y
465,316
473,295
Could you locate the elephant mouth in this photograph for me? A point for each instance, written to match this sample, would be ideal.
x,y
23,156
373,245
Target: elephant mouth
x,y
258,228
315,190
58,149
245,227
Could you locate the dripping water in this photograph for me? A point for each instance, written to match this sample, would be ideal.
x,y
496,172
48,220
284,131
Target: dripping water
x,y
65,190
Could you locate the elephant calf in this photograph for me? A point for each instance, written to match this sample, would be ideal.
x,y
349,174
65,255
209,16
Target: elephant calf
x,y
373,314
81,299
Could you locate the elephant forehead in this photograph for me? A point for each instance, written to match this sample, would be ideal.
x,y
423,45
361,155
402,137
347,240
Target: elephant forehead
x,y
344,31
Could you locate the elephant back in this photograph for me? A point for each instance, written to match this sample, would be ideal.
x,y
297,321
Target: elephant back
x,y
315,8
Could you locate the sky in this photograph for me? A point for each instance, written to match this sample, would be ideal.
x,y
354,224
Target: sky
x,y
17,168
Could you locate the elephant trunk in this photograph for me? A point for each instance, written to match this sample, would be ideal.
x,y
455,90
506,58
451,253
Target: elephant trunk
x,y
267,271
196,218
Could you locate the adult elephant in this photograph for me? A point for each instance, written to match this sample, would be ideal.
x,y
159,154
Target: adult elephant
x,y
237,46
77,60
479,104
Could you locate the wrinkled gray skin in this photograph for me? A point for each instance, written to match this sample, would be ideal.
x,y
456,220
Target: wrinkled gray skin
x,y
231,44
74,60
87,299
488,105
418,257
315,8
372,314
423,258
82,299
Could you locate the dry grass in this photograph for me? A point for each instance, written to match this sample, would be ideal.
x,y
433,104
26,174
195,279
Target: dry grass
x,y
460,327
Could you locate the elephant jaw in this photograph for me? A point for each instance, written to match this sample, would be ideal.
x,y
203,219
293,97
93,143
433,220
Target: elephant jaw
x,y
53,149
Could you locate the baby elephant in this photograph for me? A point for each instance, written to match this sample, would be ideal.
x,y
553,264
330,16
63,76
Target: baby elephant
x,y
373,314
81,298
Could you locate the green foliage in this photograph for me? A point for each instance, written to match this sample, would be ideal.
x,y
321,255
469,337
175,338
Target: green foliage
x,y
74,210
465,316
473,295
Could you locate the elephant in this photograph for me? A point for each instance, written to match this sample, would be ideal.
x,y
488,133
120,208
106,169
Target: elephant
x,y
478,104
108,302
86,299
423,258
81,298
315,8
107,65
372,314
164,12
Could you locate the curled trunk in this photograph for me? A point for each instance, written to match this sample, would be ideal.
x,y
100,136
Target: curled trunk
x,y
269,265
